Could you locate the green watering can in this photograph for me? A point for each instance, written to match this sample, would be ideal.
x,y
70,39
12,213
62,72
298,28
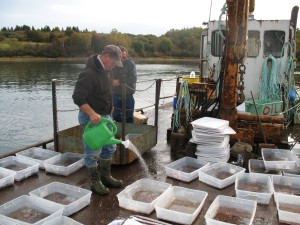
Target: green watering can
x,y
96,136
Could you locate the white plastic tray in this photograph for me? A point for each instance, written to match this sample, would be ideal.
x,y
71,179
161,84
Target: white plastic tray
x,y
208,174
27,167
54,165
236,206
62,220
154,188
253,187
183,214
54,210
175,169
278,159
77,198
258,166
286,185
37,154
7,177
284,215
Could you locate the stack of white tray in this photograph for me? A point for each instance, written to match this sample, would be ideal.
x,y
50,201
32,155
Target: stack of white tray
x,y
212,138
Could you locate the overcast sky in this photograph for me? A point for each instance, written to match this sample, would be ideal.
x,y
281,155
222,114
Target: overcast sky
x,y
128,16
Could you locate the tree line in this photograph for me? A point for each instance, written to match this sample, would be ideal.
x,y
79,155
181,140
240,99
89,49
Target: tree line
x,y
73,42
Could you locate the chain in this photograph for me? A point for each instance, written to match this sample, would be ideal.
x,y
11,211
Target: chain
x,y
241,85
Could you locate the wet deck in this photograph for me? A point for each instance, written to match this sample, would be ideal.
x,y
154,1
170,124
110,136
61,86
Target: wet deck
x,y
104,209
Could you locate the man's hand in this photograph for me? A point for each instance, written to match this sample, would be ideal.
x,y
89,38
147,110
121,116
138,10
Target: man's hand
x,y
117,83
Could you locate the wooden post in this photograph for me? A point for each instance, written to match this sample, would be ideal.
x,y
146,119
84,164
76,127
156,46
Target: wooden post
x,y
234,56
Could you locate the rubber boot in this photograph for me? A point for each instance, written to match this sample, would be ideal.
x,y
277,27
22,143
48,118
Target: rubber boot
x,y
104,167
96,184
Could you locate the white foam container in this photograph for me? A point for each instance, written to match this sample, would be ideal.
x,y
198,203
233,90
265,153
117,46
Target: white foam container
x,y
173,169
181,193
292,183
31,166
37,154
287,162
232,203
81,197
286,216
125,197
62,220
259,164
206,174
8,177
55,210
251,178
51,165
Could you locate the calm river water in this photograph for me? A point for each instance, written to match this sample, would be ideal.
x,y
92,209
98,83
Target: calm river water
x,y
26,97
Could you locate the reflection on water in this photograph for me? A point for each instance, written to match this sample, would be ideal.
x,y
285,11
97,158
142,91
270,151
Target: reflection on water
x,y
26,96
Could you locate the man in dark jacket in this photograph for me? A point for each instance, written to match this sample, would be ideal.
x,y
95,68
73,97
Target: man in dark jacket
x,y
93,95
124,75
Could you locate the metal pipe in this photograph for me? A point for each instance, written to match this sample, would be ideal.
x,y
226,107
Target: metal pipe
x,y
54,111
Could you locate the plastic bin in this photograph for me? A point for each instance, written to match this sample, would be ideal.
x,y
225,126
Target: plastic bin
x,y
257,187
241,209
7,177
37,154
185,169
288,208
62,220
180,205
296,154
265,107
70,197
292,173
258,166
150,190
64,164
219,175
286,185
22,167
278,159
41,208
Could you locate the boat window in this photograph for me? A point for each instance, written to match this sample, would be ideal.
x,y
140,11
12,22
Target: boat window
x,y
253,43
217,43
273,42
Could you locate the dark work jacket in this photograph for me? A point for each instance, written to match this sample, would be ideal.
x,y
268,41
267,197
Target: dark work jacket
x,y
126,74
94,86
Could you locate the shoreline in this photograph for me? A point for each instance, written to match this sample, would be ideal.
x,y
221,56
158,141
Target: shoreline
x,y
83,59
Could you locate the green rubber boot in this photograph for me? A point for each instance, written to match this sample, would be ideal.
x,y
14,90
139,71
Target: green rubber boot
x,y
96,184
104,167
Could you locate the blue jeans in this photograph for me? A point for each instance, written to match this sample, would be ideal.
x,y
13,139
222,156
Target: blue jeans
x,y
92,156
117,113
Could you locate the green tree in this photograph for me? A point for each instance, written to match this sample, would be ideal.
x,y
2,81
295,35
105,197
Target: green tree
x,y
165,45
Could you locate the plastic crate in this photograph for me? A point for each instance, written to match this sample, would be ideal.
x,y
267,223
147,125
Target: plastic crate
x,y
176,168
258,166
286,185
278,159
245,209
209,174
58,164
72,200
22,167
265,107
296,153
7,177
292,173
37,154
62,220
50,209
185,213
149,188
284,205
257,187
